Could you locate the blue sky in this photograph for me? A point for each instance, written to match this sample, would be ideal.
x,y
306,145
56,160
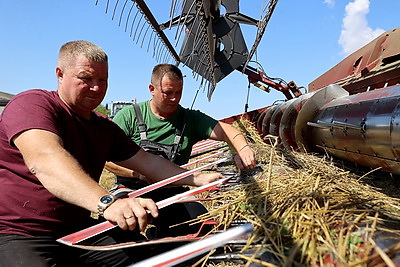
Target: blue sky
x,y
303,40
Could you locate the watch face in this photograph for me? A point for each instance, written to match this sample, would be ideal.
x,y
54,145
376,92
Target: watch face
x,y
106,199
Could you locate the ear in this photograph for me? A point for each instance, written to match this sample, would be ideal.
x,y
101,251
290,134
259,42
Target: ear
x,y
59,73
151,89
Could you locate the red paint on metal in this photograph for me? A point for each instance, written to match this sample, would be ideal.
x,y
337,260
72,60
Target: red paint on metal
x,y
104,226
251,116
373,66
256,76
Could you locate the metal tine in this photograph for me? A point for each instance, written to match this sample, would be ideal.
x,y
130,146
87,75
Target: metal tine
x,y
137,29
183,26
151,36
201,36
196,37
154,45
133,22
163,55
163,52
140,20
159,49
115,9
160,33
261,29
172,11
129,14
159,52
156,49
210,90
198,65
180,29
166,56
145,33
141,29
141,24
122,13
108,2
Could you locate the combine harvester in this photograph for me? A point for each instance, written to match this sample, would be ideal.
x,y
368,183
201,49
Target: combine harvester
x,y
351,112
340,115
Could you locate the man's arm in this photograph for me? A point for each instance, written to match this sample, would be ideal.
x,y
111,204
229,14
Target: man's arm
x,y
125,172
156,168
119,170
63,176
245,155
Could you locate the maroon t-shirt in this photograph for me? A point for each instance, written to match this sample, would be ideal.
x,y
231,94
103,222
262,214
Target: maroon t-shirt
x,y
26,207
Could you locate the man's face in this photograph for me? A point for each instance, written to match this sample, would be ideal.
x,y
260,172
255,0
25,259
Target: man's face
x,y
166,96
83,85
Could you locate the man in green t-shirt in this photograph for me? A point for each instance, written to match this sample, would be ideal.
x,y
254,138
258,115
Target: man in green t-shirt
x,y
162,115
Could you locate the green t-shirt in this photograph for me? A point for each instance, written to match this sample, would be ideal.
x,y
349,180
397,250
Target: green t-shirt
x,y
198,126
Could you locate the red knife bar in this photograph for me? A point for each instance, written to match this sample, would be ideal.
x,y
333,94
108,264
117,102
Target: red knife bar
x,y
89,232
191,250
205,146
173,239
204,158
204,142
175,178
102,227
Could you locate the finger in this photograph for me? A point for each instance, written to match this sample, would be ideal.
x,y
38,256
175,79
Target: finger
x,y
251,165
248,159
128,216
142,207
131,222
213,177
218,176
247,162
238,162
141,217
150,206
252,160
124,224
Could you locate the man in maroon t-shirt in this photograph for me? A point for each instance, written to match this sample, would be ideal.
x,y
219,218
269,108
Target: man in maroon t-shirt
x,y
53,149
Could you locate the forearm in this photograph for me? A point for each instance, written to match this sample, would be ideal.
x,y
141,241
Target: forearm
x,y
119,170
245,158
156,168
57,170
232,136
64,178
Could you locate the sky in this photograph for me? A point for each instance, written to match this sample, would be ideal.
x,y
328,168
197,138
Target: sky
x,y
303,39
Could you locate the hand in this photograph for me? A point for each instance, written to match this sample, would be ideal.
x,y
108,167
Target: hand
x,y
245,158
131,212
200,179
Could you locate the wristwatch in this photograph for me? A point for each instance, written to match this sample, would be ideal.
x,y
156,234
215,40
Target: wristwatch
x,y
104,203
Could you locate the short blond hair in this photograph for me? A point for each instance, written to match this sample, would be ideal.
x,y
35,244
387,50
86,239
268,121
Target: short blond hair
x,y
71,50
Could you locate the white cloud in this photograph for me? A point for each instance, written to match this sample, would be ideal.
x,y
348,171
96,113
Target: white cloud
x,y
330,3
355,30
